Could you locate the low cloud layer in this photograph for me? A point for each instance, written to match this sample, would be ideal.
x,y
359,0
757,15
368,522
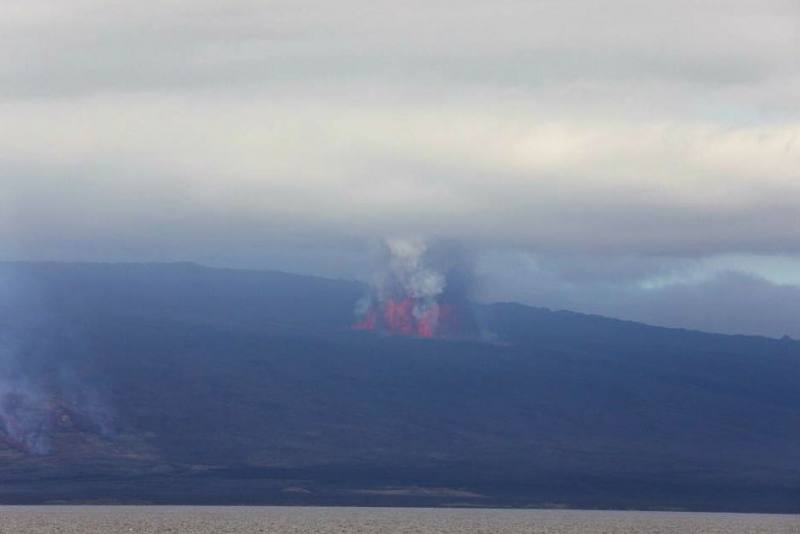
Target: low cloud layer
x,y
722,295
251,133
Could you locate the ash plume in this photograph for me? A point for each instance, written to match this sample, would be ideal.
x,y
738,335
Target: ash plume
x,y
422,290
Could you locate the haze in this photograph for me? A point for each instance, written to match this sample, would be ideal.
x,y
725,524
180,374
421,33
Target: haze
x,y
638,160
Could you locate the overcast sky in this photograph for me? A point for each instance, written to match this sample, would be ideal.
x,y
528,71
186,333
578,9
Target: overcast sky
x,y
631,158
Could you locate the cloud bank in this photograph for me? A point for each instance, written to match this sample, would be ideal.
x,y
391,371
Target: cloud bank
x,y
252,133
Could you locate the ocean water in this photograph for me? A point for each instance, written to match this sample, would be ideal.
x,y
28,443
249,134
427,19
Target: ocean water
x,y
307,520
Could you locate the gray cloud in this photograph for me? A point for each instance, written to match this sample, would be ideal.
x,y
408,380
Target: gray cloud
x,y
81,45
714,297
638,137
729,302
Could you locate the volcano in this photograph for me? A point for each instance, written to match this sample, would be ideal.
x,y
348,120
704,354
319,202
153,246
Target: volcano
x,y
223,386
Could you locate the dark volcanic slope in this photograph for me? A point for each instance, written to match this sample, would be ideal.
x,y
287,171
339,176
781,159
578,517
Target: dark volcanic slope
x,y
232,386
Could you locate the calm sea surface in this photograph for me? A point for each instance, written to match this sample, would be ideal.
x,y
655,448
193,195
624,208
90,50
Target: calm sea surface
x,y
235,520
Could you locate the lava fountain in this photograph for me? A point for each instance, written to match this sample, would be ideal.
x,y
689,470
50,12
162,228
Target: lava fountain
x,y
410,297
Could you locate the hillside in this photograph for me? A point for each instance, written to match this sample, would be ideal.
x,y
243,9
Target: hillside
x,y
179,383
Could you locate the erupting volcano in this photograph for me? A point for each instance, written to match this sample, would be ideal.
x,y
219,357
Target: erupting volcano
x,y
413,296
408,317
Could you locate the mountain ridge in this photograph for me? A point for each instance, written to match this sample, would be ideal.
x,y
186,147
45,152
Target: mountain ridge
x,y
211,380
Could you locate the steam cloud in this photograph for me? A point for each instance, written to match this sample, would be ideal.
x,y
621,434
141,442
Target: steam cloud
x,y
421,292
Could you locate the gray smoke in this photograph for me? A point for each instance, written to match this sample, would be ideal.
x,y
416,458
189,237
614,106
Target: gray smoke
x,y
421,288
24,418
40,392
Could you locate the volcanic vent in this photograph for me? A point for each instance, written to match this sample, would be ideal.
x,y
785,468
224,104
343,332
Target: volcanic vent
x,y
420,292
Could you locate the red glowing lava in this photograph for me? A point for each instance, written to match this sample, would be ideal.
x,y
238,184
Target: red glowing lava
x,y
407,317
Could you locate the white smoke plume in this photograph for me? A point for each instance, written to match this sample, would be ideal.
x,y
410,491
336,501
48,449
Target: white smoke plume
x,y
409,269
420,291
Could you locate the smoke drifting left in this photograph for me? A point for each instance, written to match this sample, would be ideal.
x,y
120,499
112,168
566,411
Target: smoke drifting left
x,y
422,290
